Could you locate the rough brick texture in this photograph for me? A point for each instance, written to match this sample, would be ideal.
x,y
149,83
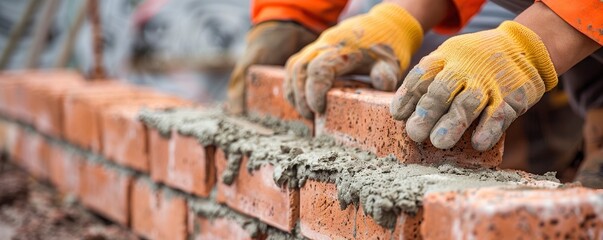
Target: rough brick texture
x,y
182,162
361,118
257,195
201,228
264,95
491,213
106,191
322,218
157,213
124,137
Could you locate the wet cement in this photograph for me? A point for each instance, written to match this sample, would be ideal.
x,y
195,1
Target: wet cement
x,y
383,187
211,211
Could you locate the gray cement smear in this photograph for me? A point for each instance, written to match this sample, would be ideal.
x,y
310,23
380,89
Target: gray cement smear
x,y
383,187
211,211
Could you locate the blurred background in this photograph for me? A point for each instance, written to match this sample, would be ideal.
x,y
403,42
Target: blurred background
x,y
185,47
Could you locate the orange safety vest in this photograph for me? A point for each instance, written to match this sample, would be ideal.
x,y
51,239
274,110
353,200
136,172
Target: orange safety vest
x,y
317,15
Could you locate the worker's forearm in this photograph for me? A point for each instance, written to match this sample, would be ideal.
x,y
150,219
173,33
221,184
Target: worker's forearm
x,y
566,45
428,13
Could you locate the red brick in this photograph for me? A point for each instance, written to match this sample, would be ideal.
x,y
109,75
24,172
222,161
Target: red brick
x,y
257,195
106,191
15,143
124,137
322,218
157,214
183,163
361,118
45,101
158,154
83,108
65,169
33,154
8,132
32,94
494,213
28,150
4,125
9,102
264,95
201,228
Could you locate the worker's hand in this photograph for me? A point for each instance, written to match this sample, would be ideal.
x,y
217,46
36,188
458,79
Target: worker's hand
x,y
497,74
268,43
379,43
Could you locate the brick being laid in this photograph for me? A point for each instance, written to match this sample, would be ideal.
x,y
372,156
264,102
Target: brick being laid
x,y
264,96
360,117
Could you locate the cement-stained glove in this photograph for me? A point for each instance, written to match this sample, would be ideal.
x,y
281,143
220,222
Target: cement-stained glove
x,y
379,43
497,74
268,43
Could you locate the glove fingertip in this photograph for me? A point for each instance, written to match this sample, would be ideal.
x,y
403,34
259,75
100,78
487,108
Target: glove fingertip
x,y
399,108
317,102
484,139
442,138
385,76
416,129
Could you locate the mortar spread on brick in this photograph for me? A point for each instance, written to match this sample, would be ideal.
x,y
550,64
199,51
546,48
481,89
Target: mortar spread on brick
x,y
212,211
384,187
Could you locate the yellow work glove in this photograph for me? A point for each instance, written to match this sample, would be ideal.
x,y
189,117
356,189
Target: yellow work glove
x,y
379,43
268,43
497,74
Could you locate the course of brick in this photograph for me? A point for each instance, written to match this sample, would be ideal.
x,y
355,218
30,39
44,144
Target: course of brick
x,y
86,139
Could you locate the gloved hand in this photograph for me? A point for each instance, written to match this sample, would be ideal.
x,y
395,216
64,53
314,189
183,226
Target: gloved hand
x,y
497,74
380,43
268,43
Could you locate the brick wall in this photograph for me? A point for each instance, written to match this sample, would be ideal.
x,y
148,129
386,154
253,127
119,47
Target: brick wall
x,y
86,140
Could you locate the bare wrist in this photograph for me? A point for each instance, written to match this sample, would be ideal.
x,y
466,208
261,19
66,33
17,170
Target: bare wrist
x,y
566,45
